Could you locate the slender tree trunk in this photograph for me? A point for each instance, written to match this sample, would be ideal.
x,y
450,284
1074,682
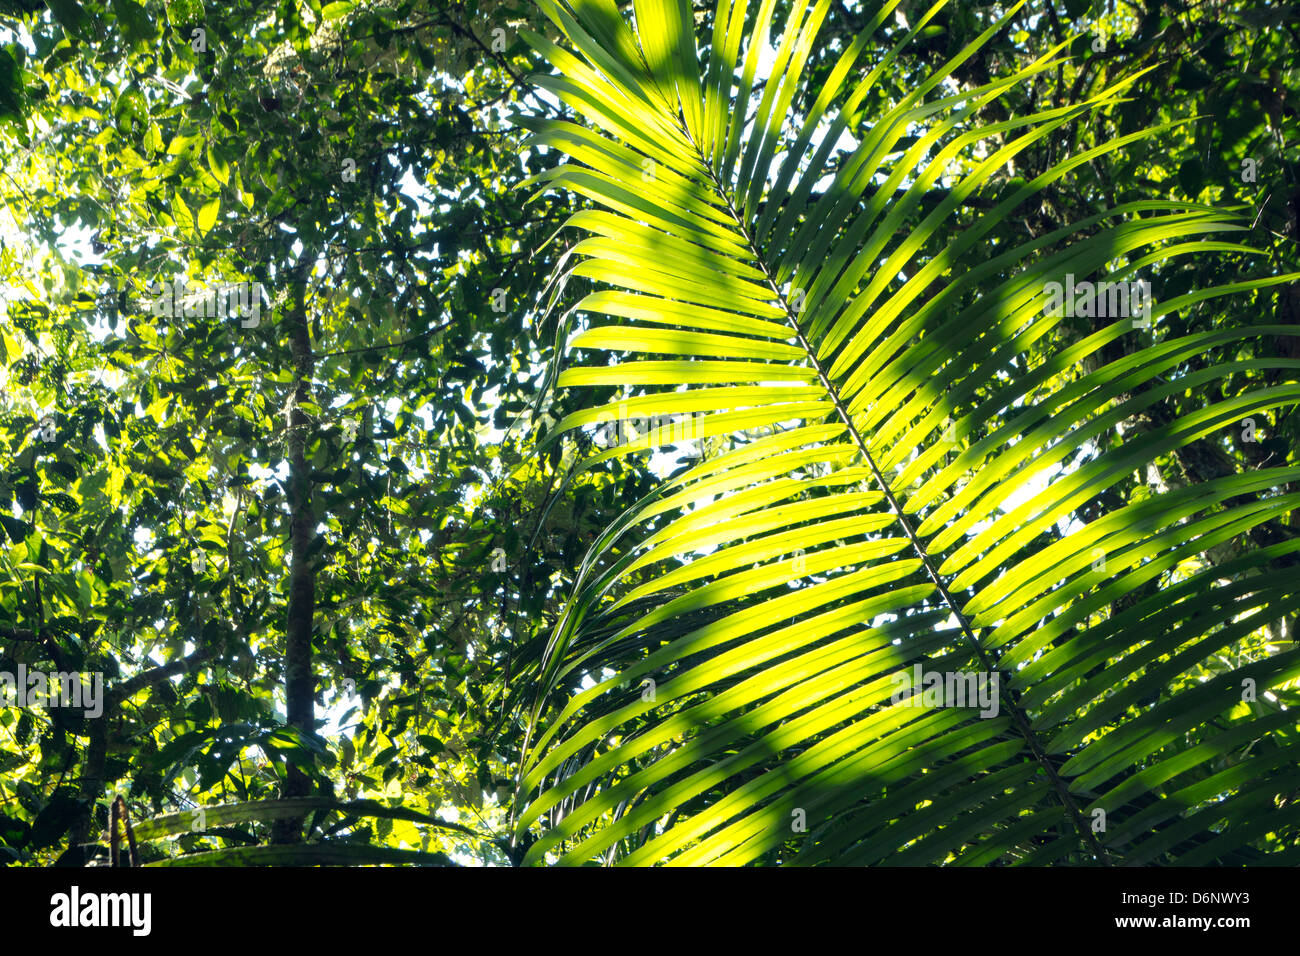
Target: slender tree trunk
x,y
299,681
85,829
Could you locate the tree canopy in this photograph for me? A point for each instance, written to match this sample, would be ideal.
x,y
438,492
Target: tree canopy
x,y
291,304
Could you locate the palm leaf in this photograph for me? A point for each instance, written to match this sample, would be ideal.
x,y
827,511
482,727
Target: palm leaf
x,y
328,853
919,497
262,811
313,854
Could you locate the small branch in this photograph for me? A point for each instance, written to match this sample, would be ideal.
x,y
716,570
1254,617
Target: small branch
x,y
387,345
157,675
17,633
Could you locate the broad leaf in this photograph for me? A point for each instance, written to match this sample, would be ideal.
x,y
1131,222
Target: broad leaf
x,y
946,411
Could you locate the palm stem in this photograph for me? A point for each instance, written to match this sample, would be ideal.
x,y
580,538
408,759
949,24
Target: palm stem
x,y
1018,715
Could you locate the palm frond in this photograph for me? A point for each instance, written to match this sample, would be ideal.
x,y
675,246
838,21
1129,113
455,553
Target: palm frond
x,y
722,687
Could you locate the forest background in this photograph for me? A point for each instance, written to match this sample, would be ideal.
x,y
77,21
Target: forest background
x,y
305,547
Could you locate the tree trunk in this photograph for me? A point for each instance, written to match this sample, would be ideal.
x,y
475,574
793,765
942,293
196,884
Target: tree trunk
x,y
299,681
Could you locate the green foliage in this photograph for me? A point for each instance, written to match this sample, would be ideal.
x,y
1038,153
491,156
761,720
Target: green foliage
x,y
149,538
858,259
392,401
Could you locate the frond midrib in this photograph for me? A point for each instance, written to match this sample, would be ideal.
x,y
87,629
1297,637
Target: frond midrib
x,y
1020,718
